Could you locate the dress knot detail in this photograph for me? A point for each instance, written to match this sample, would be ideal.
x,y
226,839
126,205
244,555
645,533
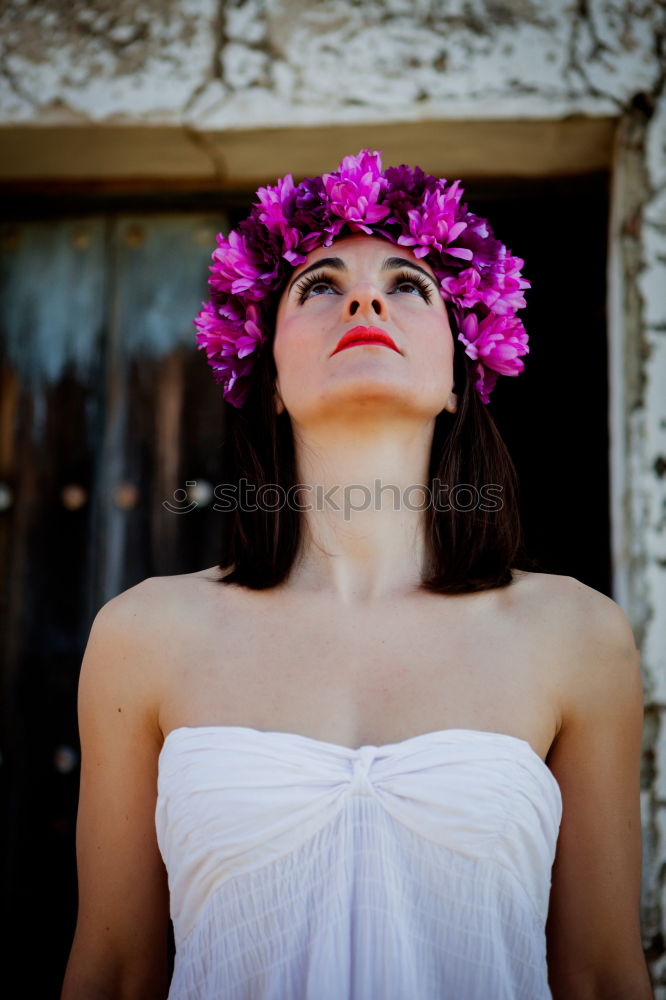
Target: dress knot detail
x,y
360,782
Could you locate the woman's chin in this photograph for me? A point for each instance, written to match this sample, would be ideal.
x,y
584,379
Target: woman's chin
x,y
363,397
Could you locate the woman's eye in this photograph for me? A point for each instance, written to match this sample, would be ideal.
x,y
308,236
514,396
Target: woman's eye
x,y
318,287
413,285
315,286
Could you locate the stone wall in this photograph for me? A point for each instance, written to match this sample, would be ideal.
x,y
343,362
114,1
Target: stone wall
x,y
254,63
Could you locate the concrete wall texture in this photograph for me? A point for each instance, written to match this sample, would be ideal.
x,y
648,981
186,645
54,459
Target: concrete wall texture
x,y
207,65
281,62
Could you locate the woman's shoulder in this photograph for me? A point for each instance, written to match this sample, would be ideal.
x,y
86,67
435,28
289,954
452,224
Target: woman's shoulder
x,y
155,593
153,624
159,612
567,601
590,635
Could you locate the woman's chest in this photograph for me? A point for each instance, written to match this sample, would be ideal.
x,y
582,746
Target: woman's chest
x,y
356,679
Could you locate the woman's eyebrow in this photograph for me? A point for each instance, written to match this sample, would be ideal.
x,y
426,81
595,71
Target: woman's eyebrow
x,y
337,264
392,263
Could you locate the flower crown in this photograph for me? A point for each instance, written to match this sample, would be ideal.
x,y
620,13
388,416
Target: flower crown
x,y
476,273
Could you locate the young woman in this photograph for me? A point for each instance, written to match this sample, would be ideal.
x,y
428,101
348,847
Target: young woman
x,y
371,754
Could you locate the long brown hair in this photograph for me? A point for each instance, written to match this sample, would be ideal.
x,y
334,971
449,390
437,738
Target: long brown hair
x,y
467,549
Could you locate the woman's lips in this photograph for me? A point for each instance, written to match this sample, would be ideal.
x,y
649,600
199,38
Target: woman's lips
x,y
363,335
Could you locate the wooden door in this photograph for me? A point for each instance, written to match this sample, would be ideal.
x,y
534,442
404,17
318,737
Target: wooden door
x,y
107,412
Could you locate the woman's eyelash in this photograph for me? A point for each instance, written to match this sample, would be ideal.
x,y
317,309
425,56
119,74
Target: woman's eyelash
x,y
415,279
315,277
308,281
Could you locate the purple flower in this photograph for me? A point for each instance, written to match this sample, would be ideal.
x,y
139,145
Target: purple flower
x,y
478,238
504,284
402,204
462,288
309,213
252,337
264,245
405,189
210,331
236,270
484,381
234,379
501,285
353,192
433,225
229,335
271,212
497,341
409,183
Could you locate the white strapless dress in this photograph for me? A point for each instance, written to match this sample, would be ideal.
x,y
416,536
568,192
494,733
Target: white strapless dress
x,y
305,870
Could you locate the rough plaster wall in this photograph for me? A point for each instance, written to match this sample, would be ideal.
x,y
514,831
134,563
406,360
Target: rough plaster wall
x,y
250,63
219,64
637,341
75,61
647,422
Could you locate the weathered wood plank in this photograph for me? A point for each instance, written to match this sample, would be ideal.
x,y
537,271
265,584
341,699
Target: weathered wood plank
x,y
51,313
160,272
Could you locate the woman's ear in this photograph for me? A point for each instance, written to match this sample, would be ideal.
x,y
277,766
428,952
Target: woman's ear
x,y
452,402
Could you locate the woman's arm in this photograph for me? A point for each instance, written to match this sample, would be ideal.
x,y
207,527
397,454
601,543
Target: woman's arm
x,y
120,944
593,931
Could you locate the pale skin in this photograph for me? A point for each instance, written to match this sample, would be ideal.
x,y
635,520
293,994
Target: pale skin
x,y
349,651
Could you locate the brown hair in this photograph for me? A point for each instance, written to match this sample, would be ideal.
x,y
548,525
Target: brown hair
x,y
468,550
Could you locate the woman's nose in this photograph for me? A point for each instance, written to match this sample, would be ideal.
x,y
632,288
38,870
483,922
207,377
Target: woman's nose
x,y
365,300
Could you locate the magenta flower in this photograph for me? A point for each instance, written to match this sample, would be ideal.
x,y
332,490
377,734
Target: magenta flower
x,y
407,184
497,341
209,335
229,339
236,271
310,214
504,285
501,285
478,237
234,379
463,288
353,192
484,381
402,204
272,214
266,246
251,337
433,225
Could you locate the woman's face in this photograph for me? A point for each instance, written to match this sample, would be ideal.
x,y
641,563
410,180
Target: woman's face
x,y
362,281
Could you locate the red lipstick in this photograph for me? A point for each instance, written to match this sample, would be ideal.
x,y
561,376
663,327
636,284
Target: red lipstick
x,y
363,335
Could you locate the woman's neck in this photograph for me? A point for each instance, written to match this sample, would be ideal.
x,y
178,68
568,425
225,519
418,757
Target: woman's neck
x,y
363,538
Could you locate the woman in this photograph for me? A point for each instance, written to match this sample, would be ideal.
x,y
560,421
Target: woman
x,y
359,756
